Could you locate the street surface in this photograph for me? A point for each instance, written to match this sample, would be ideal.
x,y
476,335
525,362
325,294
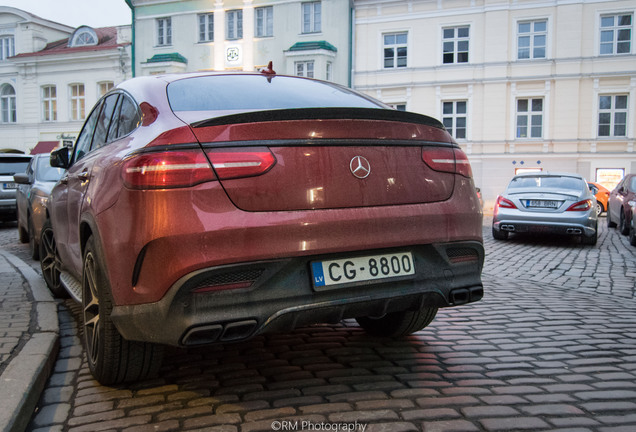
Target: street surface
x,y
552,346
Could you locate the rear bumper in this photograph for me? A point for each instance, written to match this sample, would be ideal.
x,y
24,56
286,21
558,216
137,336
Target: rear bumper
x,y
567,223
281,296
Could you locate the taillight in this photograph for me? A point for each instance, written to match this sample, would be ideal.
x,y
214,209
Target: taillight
x,y
239,162
452,160
581,205
504,203
169,169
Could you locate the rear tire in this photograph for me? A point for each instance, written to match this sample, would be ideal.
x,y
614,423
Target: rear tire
x,y
592,240
34,248
608,216
499,235
623,226
23,235
632,233
111,358
398,324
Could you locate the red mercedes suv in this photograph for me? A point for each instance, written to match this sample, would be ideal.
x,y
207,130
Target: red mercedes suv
x,y
212,207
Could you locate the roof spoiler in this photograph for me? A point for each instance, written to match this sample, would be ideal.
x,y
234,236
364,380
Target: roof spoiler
x,y
378,114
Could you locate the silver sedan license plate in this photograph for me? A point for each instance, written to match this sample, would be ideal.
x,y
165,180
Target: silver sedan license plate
x,y
542,204
328,274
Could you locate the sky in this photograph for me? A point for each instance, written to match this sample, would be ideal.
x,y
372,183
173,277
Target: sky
x,y
74,13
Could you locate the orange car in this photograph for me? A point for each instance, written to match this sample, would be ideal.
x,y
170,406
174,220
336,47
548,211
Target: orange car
x,y
602,196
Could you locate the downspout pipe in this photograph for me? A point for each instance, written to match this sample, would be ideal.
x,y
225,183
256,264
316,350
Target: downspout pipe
x,y
132,9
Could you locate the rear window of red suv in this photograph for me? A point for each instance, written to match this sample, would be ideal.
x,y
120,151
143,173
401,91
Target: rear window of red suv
x,y
241,93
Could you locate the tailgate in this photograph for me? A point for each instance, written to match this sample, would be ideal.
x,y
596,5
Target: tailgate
x,y
327,159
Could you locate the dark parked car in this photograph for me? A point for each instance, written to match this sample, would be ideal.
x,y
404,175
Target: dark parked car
x,y
208,208
546,203
619,206
10,164
34,187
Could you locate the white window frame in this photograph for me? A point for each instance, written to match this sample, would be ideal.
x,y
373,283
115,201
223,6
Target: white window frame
x,y
7,46
264,21
164,31
613,111
8,105
49,103
456,40
234,24
615,29
104,87
77,105
532,35
395,47
308,68
205,27
454,116
311,17
529,117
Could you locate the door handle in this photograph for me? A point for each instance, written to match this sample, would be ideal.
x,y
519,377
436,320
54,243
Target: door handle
x,y
84,176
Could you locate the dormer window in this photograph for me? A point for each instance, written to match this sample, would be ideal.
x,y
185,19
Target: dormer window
x,y
83,36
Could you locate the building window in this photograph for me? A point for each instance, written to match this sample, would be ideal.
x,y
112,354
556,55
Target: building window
x,y
78,101
49,103
206,27
612,116
104,87
530,118
454,118
455,44
264,19
305,68
234,24
312,17
398,106
616,34
531,39
329,71
164,31
8,112
84,36
395,50
7,47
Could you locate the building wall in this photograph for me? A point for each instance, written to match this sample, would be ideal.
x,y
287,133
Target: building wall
x,y
29,70
253,52
569,80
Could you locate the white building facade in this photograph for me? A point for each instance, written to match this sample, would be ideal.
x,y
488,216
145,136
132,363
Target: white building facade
x,y
307,38
51,75
521,84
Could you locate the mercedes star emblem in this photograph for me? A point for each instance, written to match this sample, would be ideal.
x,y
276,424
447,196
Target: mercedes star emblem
x,y
360,167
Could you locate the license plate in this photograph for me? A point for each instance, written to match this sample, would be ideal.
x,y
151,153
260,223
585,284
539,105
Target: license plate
x,y
542,204
368,268
9,186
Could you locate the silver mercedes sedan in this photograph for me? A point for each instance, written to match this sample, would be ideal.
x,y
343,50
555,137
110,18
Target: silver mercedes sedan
x,y
546,203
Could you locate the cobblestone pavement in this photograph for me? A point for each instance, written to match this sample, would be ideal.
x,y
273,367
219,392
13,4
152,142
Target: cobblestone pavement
x,y
552,346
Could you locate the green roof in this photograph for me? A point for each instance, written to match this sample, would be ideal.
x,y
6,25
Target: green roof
x,y
169,57
304,46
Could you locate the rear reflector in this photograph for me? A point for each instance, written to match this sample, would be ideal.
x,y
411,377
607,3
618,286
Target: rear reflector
x,y
241,162
452,160
170,169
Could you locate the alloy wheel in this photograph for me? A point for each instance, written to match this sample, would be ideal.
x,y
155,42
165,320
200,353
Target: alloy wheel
x,y
90,306
50,261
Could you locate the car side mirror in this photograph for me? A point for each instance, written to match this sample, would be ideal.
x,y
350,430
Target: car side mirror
x,y
22,178
61,158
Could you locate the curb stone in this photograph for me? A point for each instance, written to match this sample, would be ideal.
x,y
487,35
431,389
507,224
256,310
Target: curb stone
x,y
24,378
